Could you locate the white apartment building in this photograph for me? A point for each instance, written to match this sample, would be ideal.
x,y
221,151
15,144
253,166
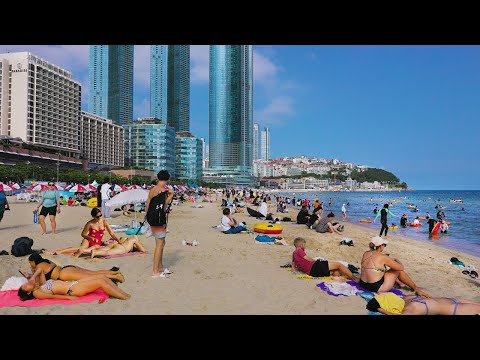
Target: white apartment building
x,y
101,140
265,144
262,168
39,103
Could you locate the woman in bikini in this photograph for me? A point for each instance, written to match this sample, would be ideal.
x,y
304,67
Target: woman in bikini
x,y
92,234
124,246
374,274
38,287
418,305
68,272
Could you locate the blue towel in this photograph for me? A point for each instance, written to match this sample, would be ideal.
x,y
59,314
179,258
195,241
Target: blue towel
x,y
264,238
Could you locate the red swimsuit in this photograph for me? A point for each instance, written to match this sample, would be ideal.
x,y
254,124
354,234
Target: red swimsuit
x,y
97,234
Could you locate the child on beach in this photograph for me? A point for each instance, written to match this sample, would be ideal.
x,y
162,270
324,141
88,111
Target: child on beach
x,y
230,225
318,268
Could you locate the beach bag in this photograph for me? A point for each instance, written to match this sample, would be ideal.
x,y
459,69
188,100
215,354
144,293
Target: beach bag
x,y
156,215
286,219
22,246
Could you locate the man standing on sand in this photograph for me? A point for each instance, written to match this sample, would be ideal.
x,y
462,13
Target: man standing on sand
x,y
344,212
105,196
3,204
158,202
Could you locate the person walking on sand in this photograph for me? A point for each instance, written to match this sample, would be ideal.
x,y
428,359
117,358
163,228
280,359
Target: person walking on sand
x,y
51,207
344,212
105,193
158,201
383,219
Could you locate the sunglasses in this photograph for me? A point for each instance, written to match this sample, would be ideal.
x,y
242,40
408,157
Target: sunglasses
x,y
98,216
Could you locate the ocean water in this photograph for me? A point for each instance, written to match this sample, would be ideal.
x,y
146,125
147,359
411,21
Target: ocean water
x,y
463,234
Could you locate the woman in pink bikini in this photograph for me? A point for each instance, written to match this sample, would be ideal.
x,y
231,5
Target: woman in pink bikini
x,y
92,234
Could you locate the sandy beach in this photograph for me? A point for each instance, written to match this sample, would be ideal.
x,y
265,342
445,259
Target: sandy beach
x,y
225,274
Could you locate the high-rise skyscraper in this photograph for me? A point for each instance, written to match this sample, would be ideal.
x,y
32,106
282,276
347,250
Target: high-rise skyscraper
x,y
265,143
231,112
170,85
111,82
256,142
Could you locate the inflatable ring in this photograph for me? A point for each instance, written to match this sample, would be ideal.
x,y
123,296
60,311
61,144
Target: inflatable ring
x,y
92,202
365,221
415,225
393,227
422,218
266,228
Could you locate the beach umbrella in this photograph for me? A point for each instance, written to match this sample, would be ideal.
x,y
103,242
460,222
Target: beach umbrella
x,y
78,188
38,187
5,187
94,183
118,188
133,196
133,187
91,187
15,186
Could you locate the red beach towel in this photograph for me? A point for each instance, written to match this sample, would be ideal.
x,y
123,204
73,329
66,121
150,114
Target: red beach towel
x,y
10,298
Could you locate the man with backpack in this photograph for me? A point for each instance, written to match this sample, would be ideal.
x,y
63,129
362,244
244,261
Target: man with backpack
x,y
157,208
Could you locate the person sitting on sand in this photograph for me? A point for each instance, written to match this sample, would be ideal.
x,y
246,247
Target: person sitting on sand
x,y
92,234
375,276
124,246
230,225
418,305
68,272
38,287
314,218
302,216
317,268
325,225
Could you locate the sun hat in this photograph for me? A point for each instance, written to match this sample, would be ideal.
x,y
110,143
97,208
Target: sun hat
x,y
377,241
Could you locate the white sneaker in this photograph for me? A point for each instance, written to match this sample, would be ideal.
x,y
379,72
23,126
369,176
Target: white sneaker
x,y
195,242
167,272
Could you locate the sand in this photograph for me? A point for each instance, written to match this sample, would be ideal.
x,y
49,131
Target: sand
x,y
225,274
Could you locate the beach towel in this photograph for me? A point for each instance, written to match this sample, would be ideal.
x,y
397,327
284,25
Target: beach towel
x,y
357,287
10,298
119,228
301,275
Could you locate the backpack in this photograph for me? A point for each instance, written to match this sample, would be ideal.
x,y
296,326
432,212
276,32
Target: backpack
x,y
22,246
156,215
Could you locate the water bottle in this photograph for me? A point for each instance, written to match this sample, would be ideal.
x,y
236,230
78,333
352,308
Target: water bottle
x,y
35,217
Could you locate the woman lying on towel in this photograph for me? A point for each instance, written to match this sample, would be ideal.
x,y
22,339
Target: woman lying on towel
x,y
124,246
68,272
38,287
374,274
391,304
92,234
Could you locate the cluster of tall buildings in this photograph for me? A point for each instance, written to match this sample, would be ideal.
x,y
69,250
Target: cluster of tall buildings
x,y
41,104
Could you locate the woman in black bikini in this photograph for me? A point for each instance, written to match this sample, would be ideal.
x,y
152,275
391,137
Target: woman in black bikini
x,y
68,272
38,287
374,274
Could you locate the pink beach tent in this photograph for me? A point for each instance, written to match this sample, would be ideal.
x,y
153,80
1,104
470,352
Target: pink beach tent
x,y
78,188
5,187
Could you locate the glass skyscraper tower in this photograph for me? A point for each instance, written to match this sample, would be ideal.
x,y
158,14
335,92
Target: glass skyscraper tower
x,y
231,112
111,82
170,85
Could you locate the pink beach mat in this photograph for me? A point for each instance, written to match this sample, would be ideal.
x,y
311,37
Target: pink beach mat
x,y
10,298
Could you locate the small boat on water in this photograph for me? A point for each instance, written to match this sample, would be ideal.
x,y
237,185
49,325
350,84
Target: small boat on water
x,y
457,201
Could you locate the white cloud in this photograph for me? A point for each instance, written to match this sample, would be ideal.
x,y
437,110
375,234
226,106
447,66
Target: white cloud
x,y
141,65
278,108
199,63
263,67
141,109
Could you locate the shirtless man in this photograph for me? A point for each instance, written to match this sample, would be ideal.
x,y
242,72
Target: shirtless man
x,y
124,245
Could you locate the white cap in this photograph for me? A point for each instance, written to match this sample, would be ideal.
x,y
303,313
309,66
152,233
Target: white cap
x,y
377,241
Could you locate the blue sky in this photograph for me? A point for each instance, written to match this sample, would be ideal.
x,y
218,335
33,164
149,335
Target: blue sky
x,y
412,110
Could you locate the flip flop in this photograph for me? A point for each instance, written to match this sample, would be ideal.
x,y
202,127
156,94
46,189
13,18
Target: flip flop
x,y
161,275
167,272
